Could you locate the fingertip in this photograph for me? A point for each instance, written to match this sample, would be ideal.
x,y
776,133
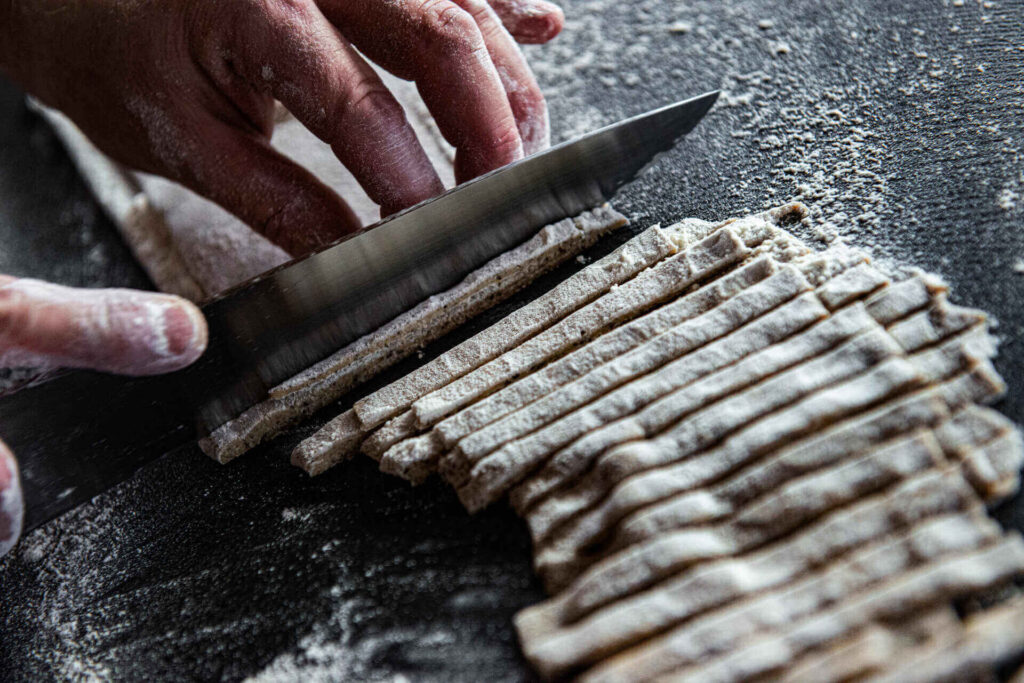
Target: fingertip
x,y
12,510
534,22
153,334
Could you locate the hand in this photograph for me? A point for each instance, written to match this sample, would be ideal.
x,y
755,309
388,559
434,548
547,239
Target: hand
x,y
113,330
185,90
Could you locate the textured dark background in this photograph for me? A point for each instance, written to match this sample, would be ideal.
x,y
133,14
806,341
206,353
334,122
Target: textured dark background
x,y
900,123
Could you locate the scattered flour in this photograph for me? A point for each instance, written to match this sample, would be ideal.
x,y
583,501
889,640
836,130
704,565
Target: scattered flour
x,y
324,656
71,653
1009,197
810,120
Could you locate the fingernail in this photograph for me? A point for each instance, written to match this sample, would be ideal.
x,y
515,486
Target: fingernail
x,y
11,507
178,330
185,332
539,23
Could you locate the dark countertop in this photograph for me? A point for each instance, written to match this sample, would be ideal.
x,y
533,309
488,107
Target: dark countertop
x,y
906,118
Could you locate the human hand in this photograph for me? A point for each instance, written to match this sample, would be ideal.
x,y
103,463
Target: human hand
x,y
113,330
185,90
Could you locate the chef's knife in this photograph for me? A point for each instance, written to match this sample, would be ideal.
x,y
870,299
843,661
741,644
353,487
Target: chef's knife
x,y
82,432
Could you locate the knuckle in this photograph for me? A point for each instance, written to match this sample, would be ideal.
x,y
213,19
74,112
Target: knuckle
x,y
301,222
369,102
448,27
507,141
478,9
486,19
291,6
14,313
287,20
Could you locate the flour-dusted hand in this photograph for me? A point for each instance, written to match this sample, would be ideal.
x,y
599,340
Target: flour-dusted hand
x,y
114,330
186,89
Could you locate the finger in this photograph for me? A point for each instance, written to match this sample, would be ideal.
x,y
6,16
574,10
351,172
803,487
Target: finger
x,y
240,171
521,87
324,82
11,505
530,21
112,330
439,45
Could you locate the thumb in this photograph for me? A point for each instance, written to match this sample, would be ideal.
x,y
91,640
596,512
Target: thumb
x,y
11,509
113,330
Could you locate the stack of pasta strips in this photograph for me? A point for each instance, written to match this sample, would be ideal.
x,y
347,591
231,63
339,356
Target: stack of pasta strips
x,y
737,456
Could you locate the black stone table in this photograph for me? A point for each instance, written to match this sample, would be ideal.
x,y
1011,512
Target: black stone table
x,y
902,124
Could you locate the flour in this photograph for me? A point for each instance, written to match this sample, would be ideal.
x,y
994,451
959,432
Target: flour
x,y
848,69
48,550
819,123
324,655
1009,197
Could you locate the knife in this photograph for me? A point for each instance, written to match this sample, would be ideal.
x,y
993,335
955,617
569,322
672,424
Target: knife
x,y
82,432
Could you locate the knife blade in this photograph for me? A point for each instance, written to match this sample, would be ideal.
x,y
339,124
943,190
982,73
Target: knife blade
x,y
82,432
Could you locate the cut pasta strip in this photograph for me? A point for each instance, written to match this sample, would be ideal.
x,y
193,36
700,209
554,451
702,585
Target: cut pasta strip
x,y
623,264
940,559
496,280
986,639
638,295
601,350
565,633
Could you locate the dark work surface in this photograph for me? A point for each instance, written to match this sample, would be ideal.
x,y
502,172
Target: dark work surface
x,y
900,122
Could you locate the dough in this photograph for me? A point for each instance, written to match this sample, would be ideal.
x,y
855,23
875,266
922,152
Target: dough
x,y
621,265
325,382
649,288
778,470
725,485
603,349
570,630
